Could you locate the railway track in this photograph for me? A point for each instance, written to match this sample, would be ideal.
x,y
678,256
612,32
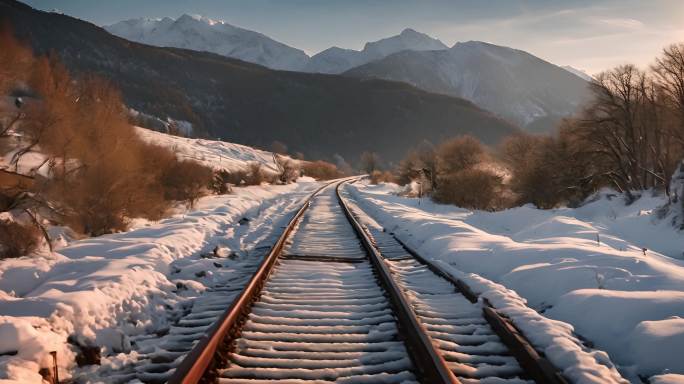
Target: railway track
x,y
334,302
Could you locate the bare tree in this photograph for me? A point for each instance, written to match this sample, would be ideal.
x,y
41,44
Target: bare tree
x,y
669,73
370,161
99,172
621,130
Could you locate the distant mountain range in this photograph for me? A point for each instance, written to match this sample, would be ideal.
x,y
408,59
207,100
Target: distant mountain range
x,y
203,34
338,60
512,83
515,85
319,115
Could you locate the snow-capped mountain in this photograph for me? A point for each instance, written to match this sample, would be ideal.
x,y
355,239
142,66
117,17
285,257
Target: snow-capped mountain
x,y
578,72
511,83
338,60
203,34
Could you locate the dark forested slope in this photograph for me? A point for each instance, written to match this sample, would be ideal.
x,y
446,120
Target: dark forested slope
x,y
319,115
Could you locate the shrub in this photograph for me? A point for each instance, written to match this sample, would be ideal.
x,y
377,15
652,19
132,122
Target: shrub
x,y
185,181
381,177
288,170
101,173
17,239
469,188
420,164
460,153
221,182
255,174
547,171
321,170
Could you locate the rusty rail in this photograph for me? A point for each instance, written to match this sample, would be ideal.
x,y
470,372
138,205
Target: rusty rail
x,y
431,366
540,369
205,355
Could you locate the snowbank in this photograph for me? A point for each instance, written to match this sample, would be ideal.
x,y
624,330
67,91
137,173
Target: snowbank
x,y
625,300
215,154
99,289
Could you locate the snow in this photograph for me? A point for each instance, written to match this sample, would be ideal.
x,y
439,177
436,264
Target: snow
x,y
338,60
310,307
213,153
201,33
511,83
622,299
204,34
100,290
578,72
408,39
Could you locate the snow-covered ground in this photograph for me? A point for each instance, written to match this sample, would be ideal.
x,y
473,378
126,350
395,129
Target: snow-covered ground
x,y
104,290
621,298
213,153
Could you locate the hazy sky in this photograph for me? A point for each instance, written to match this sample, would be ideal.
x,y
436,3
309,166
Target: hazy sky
x,y
590,35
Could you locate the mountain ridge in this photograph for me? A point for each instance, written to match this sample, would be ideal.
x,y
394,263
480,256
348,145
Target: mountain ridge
x,y
201,33
340,60
319,115
510,82
204,34
443,69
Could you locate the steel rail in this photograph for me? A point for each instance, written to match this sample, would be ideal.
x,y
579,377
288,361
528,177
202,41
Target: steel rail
x,y
540,369
197,365
431,366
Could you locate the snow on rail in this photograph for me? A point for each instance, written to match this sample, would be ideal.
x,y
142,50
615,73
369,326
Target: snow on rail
x,y
317,320
555,339
325,232
115,290
343,327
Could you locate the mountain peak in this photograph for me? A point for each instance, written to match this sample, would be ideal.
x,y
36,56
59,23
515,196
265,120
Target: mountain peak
x,y
409,31
201,33
514,84
408,39
186,18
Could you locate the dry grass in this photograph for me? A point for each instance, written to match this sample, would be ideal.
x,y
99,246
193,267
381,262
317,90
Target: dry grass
x,y
17,239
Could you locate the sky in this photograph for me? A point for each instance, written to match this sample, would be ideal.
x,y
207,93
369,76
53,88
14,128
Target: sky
x,y
588,35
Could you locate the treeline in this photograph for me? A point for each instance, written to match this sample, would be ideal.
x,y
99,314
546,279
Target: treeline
x,y
630,137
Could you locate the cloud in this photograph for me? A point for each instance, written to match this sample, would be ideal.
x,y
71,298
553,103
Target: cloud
x,y
624,23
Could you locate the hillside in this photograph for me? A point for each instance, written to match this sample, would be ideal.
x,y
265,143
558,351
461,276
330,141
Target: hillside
x,y
511,83
318,115
218,155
